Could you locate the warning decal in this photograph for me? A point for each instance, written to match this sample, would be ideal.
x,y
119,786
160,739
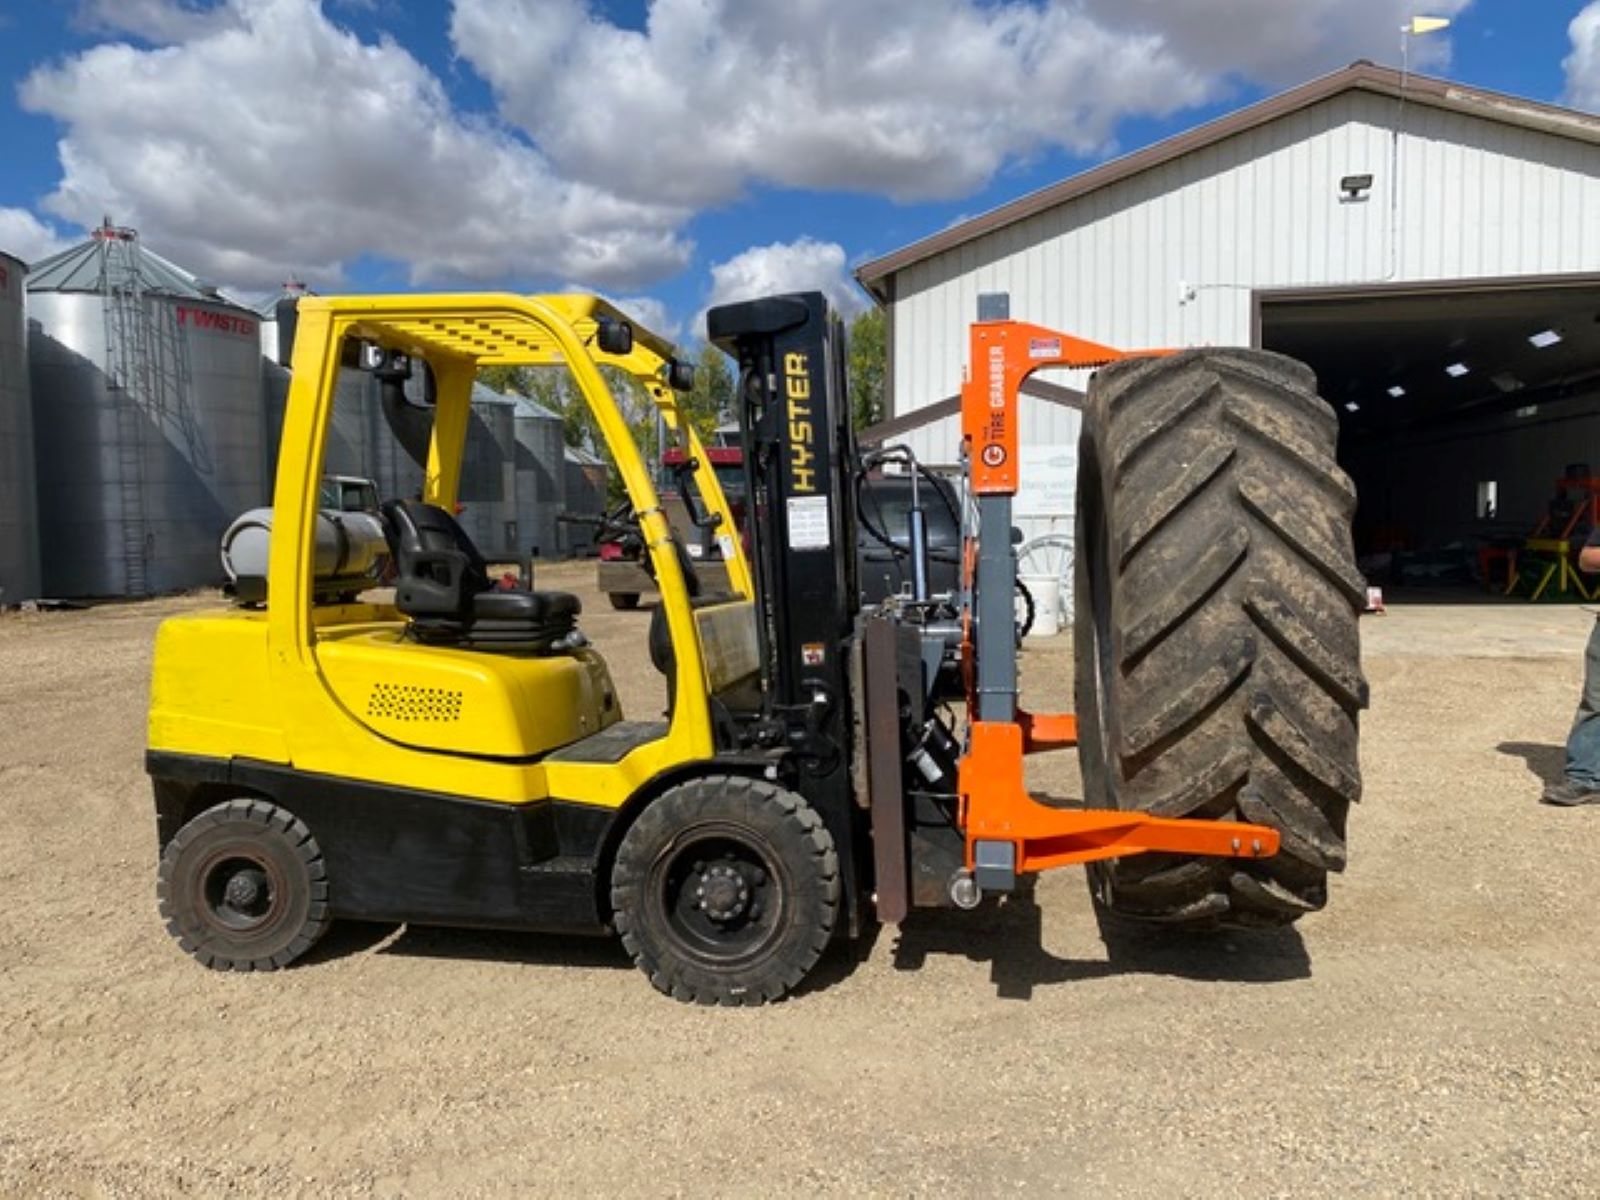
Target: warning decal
x,y
808,523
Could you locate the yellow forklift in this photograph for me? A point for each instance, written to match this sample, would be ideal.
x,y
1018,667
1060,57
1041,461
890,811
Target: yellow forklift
x,y
458,755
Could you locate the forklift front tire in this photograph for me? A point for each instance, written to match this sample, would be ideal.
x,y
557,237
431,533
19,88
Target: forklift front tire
x,y
623,601
726,891
243,887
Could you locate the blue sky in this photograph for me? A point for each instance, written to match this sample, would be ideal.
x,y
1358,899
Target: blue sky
x,y
672,153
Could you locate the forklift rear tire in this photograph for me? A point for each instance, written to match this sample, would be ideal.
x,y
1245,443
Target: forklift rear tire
x,y
726,891
623,601
243,887
1217,597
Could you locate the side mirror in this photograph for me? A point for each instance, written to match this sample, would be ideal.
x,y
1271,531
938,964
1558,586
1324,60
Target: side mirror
x,y
680,376
615,337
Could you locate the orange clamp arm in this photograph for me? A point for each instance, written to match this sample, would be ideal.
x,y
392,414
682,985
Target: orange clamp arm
x,y
995,806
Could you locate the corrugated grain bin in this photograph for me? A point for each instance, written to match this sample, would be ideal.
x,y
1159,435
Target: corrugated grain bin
x,y
541,478
587,477
274,374
19,531
488,491
149,422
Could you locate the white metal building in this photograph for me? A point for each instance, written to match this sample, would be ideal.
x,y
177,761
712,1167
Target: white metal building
x,y
1381,227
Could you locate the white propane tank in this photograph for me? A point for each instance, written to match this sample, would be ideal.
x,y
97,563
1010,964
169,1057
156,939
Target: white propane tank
x,y
351,552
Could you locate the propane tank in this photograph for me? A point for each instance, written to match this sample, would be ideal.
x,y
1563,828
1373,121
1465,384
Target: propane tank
x,y
351,554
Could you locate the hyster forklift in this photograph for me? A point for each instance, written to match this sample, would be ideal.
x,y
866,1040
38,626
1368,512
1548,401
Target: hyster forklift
x,y
458,756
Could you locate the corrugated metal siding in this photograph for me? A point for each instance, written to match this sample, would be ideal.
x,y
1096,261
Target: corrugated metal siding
x,y
1261,209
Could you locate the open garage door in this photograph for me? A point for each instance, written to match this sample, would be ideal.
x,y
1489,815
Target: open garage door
x,y
1470,418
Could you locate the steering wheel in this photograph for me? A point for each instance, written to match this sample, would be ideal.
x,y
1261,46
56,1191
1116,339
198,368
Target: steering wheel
x,y
620,524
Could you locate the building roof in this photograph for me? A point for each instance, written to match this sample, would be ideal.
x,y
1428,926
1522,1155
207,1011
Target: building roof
x,y
83,269
1359,76
266,307
484,394
533,409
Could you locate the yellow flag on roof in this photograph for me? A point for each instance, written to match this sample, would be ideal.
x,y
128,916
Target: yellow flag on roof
x,y
1427,24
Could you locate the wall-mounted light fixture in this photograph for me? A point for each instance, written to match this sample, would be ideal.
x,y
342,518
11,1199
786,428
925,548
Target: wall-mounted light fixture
x,y
1354,187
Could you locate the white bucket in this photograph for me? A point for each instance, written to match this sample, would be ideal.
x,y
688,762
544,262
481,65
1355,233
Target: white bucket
x,y
1046,593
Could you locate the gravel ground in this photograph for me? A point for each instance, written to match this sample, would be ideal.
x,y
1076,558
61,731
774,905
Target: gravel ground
x,y
1434,1032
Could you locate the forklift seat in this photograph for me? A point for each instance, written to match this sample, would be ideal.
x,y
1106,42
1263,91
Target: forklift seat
x,y
443,585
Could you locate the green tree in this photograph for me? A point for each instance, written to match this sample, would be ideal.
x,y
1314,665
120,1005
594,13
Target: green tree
x,y
711,401
868,367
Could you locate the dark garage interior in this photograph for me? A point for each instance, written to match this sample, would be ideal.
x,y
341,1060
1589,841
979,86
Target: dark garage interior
x,y
1469,419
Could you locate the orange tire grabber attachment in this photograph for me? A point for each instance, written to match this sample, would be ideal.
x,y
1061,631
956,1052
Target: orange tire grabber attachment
x,y
1007,832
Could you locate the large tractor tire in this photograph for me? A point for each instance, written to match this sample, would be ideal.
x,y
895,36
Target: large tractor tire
x,y
1218,660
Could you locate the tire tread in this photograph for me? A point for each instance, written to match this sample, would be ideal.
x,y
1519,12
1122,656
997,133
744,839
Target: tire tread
x,y
1231,606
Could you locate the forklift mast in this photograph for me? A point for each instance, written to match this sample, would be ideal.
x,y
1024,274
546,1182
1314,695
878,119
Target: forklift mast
x,y
799,462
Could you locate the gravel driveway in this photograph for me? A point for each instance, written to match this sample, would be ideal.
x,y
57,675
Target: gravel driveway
x,y
1435,1031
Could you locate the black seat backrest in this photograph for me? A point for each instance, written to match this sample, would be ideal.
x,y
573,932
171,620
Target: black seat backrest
x,y
438,568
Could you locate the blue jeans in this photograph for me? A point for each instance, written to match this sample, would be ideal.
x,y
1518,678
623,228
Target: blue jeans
x,y
1583,743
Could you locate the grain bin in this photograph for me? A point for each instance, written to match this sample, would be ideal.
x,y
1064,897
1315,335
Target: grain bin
x,y
488,491
19,532
586,486
541,478
276,340
397,474
149,424
360,442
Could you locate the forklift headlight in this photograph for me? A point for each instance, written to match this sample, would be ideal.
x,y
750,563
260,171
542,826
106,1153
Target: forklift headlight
x,y
680,376
615,337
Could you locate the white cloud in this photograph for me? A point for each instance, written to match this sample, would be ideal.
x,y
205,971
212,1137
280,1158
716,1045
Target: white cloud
x,y
908,98
154,20
1583,64
1282,43
276,142
913,99
26,237
260,139
805,265
653,314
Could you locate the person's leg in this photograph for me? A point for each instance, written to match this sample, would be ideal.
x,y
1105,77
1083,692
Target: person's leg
x,y
1583,743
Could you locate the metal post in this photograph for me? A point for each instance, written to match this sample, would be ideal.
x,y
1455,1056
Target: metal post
x,y
995,608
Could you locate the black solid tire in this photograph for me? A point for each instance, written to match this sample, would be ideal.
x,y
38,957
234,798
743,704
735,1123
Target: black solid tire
x,y
799,866
623,601
1217,599
272,849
